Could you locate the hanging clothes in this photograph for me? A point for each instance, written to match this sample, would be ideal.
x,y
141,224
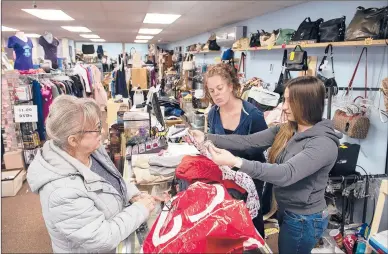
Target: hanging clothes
x,y
78,69
47,100
38,101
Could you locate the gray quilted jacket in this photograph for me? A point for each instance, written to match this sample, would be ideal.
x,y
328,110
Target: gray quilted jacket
x,y
83,213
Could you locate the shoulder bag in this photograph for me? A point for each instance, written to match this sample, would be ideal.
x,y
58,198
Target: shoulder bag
x,y
188,64
367,23
88,49
332,30
284,76
242,43
329,82
268,39
212,43
308,30
284,36
352,120
297,60
255,40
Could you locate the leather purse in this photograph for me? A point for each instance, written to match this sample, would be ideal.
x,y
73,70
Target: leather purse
x,y
88,49
242,43
255,40
284,76
308,30
368,23
268,39
332,30
328,82
212,43
352,120
284,36
297,60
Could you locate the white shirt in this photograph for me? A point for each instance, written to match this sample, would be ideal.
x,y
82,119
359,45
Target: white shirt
x,y
82,72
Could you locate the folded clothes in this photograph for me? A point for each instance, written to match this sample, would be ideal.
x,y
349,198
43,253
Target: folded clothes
x,y
143,176
141,162
162,171
166,161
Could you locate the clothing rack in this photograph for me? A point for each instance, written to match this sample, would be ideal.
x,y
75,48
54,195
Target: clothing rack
x,y
344,183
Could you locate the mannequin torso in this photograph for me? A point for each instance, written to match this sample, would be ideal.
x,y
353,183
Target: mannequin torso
x,y
21,36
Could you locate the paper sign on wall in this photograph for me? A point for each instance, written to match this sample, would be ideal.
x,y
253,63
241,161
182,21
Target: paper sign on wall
x,y
26,113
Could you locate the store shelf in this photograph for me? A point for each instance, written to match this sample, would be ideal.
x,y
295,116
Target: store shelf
x,y
205,52
322,45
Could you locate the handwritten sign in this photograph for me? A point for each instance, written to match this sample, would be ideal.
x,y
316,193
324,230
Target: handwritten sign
x,y
26,113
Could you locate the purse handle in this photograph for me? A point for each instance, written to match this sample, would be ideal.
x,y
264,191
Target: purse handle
x,y
308,19
298,46
329,47
355,71
242,63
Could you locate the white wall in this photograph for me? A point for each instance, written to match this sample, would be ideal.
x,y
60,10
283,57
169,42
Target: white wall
x,y
374,148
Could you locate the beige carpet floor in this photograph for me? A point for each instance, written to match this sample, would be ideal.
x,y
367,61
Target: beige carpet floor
x,y
23,229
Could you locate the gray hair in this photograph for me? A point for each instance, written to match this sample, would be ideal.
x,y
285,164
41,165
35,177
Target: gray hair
x,y
70,115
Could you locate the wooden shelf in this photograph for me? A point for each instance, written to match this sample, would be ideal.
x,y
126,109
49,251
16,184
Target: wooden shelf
x,y
322,45
205,52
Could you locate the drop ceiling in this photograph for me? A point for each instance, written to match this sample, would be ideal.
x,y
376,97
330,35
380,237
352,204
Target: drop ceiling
x,y
120,21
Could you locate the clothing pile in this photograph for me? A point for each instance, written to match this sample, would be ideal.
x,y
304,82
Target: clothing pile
x,y
154,169
204,219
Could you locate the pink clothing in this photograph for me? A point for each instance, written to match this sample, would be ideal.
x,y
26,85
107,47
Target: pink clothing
x,y
47,99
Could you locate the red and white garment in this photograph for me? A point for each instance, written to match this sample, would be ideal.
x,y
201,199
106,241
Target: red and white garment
x,y
240,178
204,219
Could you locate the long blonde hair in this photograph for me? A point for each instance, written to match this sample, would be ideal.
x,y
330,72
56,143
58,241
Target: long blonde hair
x,y
307,102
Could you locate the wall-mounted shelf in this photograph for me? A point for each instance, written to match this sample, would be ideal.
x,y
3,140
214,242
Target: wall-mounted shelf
x,y
205,52
322,45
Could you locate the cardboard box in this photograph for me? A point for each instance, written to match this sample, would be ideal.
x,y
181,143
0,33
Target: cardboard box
x,y
12,182
14,160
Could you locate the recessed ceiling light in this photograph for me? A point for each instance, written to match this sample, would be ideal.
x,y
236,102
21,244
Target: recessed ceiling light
x,y
144,37
140,41
156,18
149,30
78,29
48,14
97,40
8,29
32,35
90,36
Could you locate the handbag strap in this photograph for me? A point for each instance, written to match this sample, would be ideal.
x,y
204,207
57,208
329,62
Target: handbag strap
x,y
242,63
298,46
284,58
308,19
329,47
355,71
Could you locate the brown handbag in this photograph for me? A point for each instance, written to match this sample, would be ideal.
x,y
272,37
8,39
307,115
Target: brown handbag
x,y
354,123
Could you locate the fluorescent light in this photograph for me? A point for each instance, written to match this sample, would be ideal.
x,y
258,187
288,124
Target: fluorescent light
x,y
149,30
97,40
32,35
8,29
48,14
140,41
156,18
90,36
79,29
144,37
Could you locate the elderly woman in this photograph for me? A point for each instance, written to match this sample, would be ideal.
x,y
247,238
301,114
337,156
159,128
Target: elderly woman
x,y
86,205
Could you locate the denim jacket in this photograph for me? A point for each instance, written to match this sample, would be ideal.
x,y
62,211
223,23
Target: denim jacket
x,y
251,121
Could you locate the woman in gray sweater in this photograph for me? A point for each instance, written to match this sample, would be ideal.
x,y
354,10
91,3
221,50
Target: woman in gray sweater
x,y
303,151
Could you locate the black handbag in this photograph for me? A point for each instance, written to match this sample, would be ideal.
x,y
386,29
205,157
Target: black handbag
x,y
284,76
332,30
297,60
328,82
308,30
368,23
87,49
255,40
213,45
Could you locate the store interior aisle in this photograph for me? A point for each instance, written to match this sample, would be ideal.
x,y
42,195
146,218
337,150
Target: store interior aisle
x,y
23,229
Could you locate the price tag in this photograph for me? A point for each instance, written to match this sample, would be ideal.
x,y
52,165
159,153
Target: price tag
x,y
26,114
368,41
292,55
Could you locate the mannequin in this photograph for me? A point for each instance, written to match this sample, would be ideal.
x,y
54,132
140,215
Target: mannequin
x,y
50,46
22,47
49,37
